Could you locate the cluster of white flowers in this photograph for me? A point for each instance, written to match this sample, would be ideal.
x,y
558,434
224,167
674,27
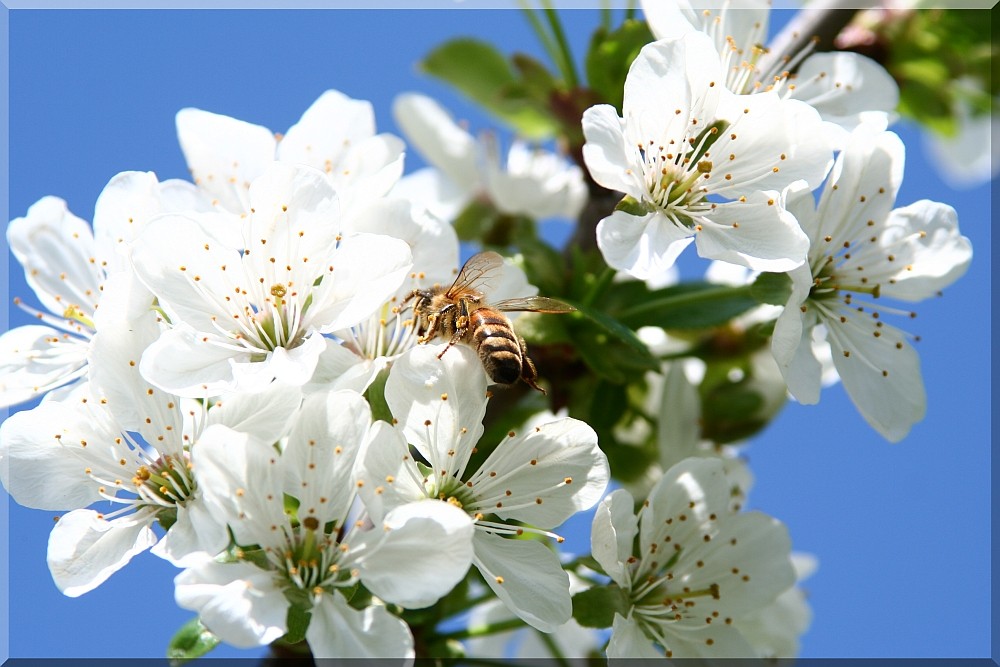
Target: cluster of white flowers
x,y
211,340
712,148
211,349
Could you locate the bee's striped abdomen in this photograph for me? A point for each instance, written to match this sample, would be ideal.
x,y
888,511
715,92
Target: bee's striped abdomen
x,y
497,345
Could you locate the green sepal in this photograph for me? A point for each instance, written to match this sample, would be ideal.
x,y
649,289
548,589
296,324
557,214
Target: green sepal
x,y
299,615
632,206
772,288
167,517
610,55
192,640
375,395
484,75
596,607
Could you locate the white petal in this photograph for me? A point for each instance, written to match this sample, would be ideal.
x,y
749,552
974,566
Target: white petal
x,y
439,403
133,198
320,455
55,248
178,257
610,161
340,368
842,86
668,20
439,139
431,188
425,552
433,243
883,380
368,269
714,641
679,430
85,549
238,602
867,176
757,546
115,354
643,246
264,415
223,154
181,362
387,473
668,76
339,631
291,366
327,131
527,577
538,184
293,224
777,142
35,359
613,533
536,466
791,343
369,171
628,641
757,233
227,464
42,462
935,253
695,488
196,536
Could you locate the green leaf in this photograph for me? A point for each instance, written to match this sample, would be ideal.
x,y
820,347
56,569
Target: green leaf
x,y
192,641
482,73
610,55
608,403
596,607
772,288
537,81
607,346
692,305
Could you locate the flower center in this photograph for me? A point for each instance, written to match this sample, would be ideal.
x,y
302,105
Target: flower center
x,y
166,483
311,559
674,172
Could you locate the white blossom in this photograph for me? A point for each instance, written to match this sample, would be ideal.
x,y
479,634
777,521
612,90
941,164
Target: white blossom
x,y
685,142
845,88
313,553
126,443
65,264
862,251
700,565
538,478
530,182
242,316
336,135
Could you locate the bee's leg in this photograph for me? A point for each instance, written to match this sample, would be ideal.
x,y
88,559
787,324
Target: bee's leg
x,y
432,326
528,372
461,326
454,339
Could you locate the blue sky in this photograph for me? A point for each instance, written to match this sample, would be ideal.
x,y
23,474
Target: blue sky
x,y
901,531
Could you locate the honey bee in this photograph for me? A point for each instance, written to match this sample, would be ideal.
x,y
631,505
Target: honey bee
x,y
461,313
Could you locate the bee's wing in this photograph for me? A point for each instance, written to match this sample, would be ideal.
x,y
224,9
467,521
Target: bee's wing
x,y
479,275
534,304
